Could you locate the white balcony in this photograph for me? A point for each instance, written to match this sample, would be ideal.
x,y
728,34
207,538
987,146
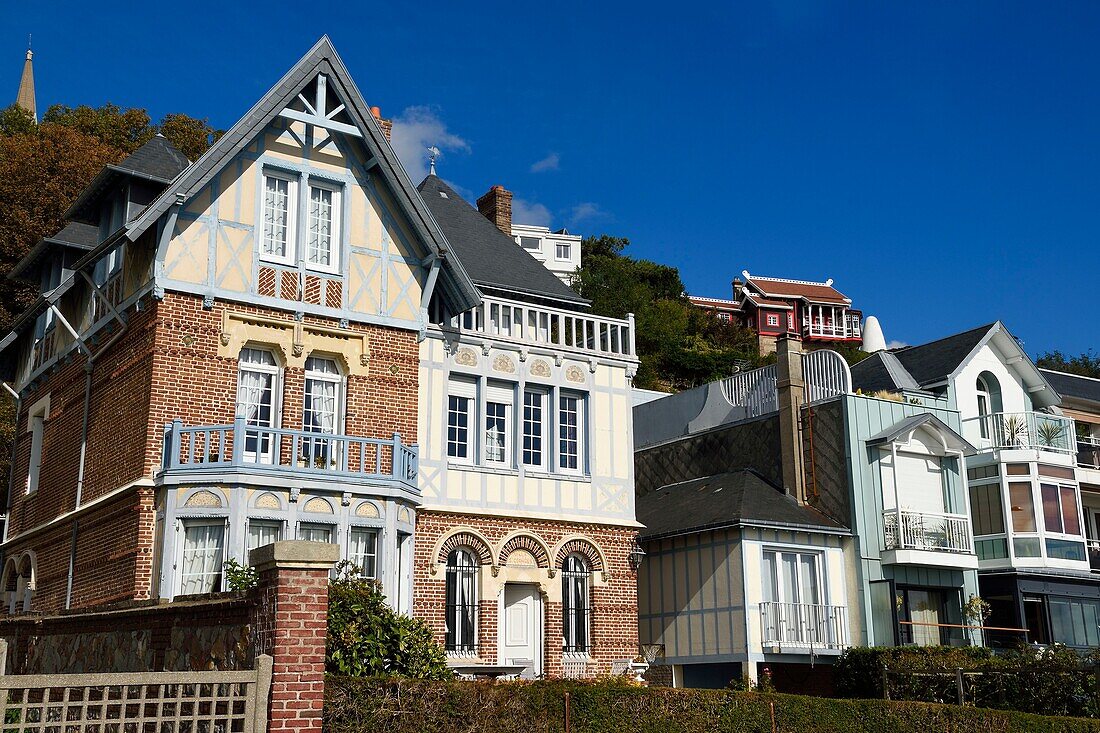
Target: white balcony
x,y
1022,431
527,324
800,627
927,532
821,322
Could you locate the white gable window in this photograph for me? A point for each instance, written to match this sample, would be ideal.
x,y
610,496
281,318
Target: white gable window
x,y
280,195
322,250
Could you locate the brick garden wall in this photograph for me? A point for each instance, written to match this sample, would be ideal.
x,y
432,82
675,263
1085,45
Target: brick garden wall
x,y
614,604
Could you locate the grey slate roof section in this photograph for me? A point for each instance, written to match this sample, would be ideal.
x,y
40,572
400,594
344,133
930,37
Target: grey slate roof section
x,y
871,375
911,423
157,159
724,500
75,235
492,259
321,59
936,360
1074,385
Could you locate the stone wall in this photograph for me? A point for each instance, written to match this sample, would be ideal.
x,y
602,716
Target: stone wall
x,y
825,462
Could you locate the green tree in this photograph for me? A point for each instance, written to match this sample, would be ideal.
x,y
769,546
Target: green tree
x,y
679,346
1085,365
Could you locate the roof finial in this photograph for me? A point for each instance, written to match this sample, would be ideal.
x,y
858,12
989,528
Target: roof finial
x,y
433,153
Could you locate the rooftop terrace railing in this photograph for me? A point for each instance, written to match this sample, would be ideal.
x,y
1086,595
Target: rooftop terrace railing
x,y
1024,430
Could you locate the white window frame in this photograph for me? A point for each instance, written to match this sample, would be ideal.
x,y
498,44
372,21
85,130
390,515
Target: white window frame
x,y
567,246
335,250
772,320
800,552
375,556
289,257
310,526
543,423
276,372
37,416
184,523
501,396
582,425
278,524
330,449
459,390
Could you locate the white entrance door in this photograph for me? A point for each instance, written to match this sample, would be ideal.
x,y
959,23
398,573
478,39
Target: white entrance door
x,y
521,630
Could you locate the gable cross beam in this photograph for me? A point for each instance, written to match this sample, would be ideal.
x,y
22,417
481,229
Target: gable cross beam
x,y
315,113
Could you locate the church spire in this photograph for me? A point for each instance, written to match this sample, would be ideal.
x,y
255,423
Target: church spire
x,y
25,98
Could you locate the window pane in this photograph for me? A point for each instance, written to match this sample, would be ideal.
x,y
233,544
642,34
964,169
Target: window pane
x,y
789,583
495,429
532,428
771,590
985,505
458,427
315,533
1023,508
362,551
1070,520
320,226
1065,549
276,215
569,432
1052,511
263,532
202,558
808,576
461,600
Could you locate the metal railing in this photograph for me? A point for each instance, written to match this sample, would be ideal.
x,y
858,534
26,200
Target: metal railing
x,y
825,374
218,447
926,531
1088,452
138,701
801,626
552,327
1026,430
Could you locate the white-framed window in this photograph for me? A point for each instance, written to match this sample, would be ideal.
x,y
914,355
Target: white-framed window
x,y
201,556
773,319
322,408
363,550
498,424
575,606
562,251
315,532
280,202
323,227
571,432
792,576
258,387
461,601
36,424
461,397
531,244
790,320
263,532
534,428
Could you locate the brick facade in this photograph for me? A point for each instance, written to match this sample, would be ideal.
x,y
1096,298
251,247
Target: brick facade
x,y
614,590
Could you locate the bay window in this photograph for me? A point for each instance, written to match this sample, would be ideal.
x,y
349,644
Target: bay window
x,y
201,556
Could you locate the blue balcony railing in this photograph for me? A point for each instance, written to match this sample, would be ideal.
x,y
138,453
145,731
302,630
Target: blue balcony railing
x,y
215,448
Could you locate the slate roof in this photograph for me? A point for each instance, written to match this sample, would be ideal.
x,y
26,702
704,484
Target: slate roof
x,y
158,159
871,375
724,500
75,235
936,360
491,258
1073,385
779,288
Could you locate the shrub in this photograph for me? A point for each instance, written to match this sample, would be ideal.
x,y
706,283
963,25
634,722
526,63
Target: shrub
x,y
408,706
1050,681
366,637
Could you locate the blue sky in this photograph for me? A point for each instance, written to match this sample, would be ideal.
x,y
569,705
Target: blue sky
x,y
939,160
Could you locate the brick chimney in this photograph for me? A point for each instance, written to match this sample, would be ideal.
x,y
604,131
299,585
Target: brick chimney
x,y
496,206
386,125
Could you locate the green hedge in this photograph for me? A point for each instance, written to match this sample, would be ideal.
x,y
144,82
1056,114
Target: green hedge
x,y
1054,681
390,705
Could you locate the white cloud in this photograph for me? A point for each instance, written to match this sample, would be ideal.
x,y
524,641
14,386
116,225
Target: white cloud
x,y
895,344
530,212
549,163
414,131
586,211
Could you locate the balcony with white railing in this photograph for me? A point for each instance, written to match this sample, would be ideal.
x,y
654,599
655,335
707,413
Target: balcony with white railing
x,y
1021,431
800,627
922,531
206,450
527,324
821,322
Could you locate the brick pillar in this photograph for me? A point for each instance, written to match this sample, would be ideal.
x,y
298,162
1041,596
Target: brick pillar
x,y
290,622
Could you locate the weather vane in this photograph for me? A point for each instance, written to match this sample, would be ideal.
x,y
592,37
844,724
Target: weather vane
x,y
433,153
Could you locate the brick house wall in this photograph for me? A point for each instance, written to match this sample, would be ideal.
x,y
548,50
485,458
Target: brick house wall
x,y
614,594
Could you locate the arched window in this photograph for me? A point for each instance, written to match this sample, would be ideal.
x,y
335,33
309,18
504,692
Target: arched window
x,y
322,409
575,578
989,400
257,395
461,600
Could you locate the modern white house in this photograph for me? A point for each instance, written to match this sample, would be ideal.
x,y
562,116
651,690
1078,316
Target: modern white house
x,y
558,250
